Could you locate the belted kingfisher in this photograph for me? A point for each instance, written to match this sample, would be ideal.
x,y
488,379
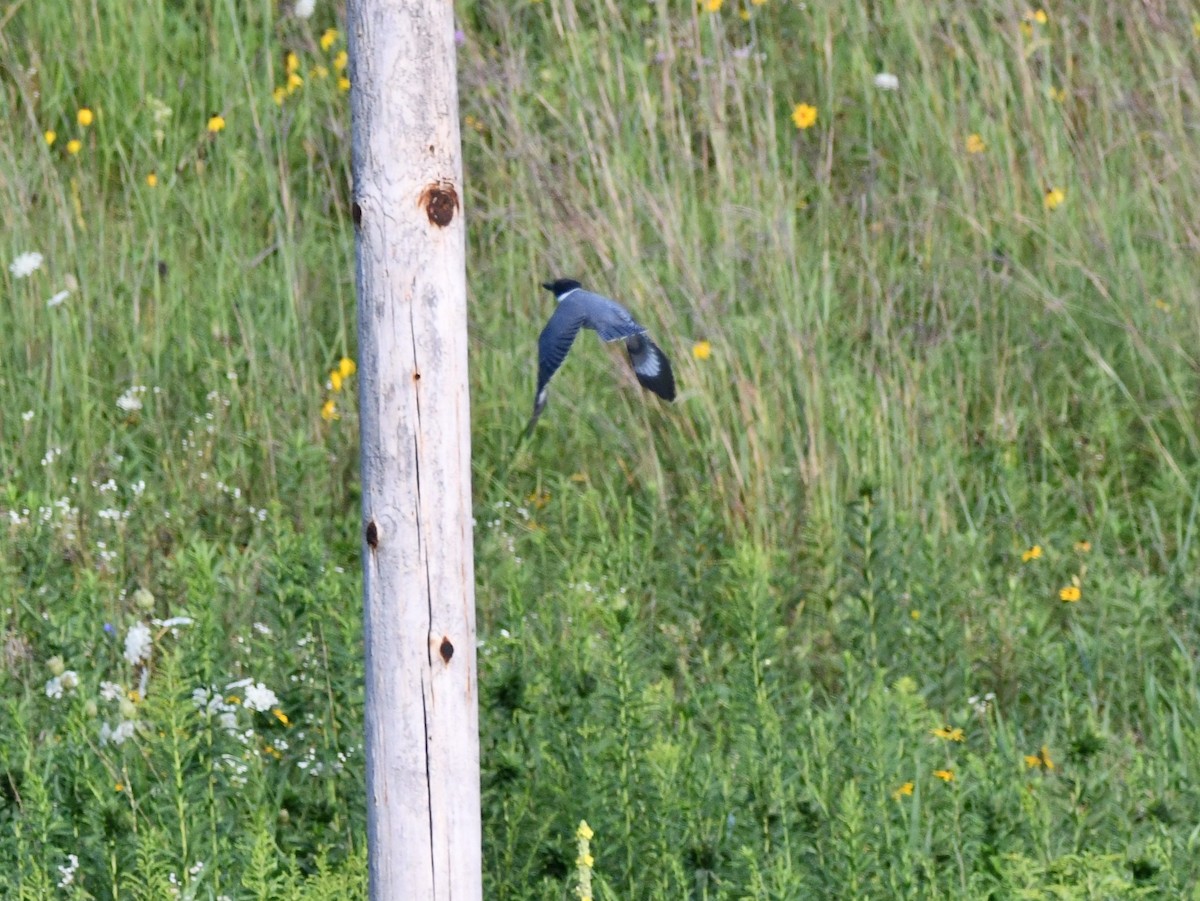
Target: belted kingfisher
x,y
577,309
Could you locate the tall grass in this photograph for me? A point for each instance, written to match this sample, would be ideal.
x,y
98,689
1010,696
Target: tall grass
x,y
788,637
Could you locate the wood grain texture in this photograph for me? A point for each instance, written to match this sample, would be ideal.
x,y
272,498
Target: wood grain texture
x,y
422,742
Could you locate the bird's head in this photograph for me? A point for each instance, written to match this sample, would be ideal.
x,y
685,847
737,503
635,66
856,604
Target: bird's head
x,y
561,286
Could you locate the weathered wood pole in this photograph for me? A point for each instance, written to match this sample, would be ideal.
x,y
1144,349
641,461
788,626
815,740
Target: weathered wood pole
x,y
422,726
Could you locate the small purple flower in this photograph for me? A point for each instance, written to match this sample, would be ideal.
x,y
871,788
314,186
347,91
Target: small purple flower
x,y
460,37
109,628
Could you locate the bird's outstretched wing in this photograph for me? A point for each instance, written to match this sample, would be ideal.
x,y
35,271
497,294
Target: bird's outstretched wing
x,y
651,366
553,345
611,321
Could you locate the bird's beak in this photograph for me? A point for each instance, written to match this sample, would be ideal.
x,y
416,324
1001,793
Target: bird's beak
x,y
549,286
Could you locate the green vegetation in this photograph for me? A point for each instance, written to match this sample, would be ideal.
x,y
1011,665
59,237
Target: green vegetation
x,y
899,599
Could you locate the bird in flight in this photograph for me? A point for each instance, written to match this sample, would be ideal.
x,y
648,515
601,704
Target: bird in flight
x,y
578,309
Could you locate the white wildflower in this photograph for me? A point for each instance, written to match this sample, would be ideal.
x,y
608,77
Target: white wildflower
x,y
119,735
304,8
131,400
68,871
111,691
54,688
137,643
26,264
57,299
886,81
27,416
174,621
259,697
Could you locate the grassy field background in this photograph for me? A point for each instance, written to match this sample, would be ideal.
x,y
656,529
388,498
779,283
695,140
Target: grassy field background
x,y
899,599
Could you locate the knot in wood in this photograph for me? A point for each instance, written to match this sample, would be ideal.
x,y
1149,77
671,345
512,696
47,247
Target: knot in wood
x,y
447,649
440,201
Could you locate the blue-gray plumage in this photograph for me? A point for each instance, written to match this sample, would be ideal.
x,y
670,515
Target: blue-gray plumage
x,y
578,309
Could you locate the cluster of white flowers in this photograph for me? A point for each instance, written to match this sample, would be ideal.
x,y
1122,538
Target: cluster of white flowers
x,y
131,400
981,703
111,691
68,871
67,681
210,703
259,697
138,642
122,733
25,264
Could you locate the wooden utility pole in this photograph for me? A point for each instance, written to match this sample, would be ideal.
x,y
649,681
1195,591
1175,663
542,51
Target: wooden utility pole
x,y
422,727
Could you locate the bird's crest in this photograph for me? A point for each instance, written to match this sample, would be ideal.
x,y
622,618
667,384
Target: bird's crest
x,y
561,286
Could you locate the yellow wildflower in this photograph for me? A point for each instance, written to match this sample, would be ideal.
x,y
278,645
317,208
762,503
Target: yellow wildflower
x,y
584,831
1083,547
119,787
1054,197
216,123
335,381
85,117
955,734
346,367
341,60
152,180
291,62
74,146
1069,594
278,94
914,615
804,115
975,144
538,498
328,38
757,2
944,775
903,791
294,83
281,716
713,6
319,72
343,84
702,350
50,137
744,15
1039,16
1040,759
329,411
1034,553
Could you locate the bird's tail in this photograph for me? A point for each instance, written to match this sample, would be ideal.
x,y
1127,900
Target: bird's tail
x,y
539,404
651,366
